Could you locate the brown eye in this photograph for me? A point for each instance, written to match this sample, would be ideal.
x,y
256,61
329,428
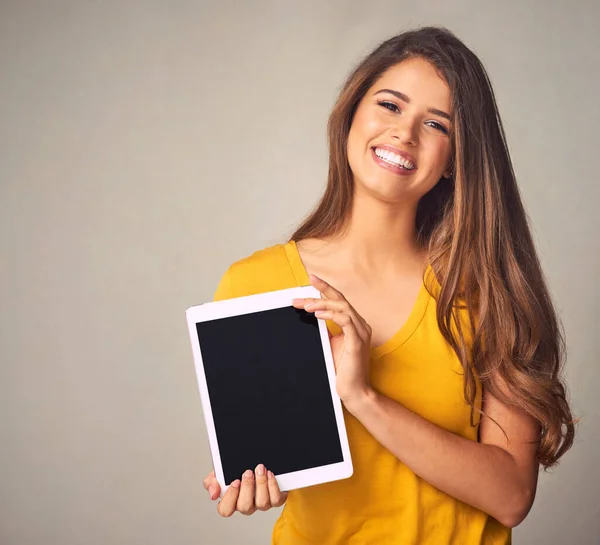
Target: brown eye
x,y
389,106
438,126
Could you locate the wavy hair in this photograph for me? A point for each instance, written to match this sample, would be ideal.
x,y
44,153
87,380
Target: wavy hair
x,y
479,243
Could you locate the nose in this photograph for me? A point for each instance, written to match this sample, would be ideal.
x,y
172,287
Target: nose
x,y
406,131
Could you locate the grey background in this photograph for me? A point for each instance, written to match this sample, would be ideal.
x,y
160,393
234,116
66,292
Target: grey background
x,y
144,146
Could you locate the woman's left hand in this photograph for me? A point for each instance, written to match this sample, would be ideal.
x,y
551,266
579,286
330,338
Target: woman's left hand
x,y
351,348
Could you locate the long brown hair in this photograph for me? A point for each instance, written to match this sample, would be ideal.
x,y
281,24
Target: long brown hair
x,y
478,239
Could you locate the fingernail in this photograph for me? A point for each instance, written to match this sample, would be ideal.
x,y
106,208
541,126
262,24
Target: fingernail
x,y
236,483
211,492
248,474
260,470
270,474
319,312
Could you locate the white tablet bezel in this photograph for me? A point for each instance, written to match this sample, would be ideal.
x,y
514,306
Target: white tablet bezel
x,y
257,303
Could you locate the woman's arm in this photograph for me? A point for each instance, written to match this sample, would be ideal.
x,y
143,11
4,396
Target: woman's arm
x,y
497,475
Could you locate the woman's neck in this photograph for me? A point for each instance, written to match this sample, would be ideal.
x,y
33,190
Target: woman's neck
x,y
379,240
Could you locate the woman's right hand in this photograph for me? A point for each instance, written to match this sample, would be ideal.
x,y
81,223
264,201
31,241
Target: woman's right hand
x,y
258,490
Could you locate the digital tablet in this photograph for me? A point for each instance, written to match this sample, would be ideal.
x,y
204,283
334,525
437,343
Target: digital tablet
x,y
267,385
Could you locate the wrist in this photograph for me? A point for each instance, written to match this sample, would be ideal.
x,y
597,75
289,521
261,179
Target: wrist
x,y
359,401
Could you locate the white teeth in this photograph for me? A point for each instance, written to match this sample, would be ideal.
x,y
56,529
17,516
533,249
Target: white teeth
x,y
394,159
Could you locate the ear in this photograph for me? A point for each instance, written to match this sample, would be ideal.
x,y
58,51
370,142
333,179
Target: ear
x,y
448,171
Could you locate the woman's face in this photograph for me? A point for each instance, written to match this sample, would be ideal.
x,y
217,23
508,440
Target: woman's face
x,y
399,145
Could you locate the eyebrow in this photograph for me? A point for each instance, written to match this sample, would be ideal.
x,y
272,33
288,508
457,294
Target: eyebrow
x,y
406,99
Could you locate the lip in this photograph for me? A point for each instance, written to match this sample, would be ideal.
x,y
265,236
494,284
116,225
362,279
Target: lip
x,y
390,167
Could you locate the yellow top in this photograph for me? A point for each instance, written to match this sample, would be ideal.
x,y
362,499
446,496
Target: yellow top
x,y
383,502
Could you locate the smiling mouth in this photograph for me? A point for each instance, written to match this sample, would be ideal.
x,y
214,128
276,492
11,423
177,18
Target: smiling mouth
x,y
394,159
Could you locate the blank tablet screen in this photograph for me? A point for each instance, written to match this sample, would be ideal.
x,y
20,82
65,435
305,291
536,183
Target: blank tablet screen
x,y
269,392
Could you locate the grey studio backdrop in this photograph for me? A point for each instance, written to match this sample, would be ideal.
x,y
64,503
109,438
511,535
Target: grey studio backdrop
x,y
145,146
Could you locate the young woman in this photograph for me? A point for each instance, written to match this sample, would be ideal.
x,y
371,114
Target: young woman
x,y
446,344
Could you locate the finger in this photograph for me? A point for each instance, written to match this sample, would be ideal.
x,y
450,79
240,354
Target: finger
x,y
329,292
209,479
326,289
214,491
245,503
341,307
212,485
351,337
228,503
261,494
312,304
276,496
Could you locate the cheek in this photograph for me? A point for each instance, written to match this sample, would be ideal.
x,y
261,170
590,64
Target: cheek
x,y
372,127
440,153
364,130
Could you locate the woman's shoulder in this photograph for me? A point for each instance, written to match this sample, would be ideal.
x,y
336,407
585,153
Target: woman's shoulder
x,y
267,269
258,260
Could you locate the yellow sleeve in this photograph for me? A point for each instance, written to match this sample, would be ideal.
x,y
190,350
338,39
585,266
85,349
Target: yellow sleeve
x,y
225,288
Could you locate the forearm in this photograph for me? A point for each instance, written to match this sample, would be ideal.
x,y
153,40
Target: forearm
x,y
484,476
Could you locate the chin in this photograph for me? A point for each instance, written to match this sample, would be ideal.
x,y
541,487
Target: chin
x,y
391,193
